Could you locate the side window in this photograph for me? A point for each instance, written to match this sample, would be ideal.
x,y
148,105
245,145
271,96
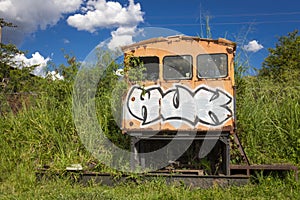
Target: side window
x,y
177,67
144,68
212,65
151,65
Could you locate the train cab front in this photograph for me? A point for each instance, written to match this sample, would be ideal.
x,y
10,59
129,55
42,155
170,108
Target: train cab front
x,y
180,88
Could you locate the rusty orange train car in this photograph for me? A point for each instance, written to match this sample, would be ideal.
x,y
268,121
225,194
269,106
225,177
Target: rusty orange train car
x,y
188,93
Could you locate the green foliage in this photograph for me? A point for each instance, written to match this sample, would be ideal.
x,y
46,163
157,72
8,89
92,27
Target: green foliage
x,y
17,85
7,52
111,91
134,68
69,72
283,62
109,96
42,133
11,78
268,121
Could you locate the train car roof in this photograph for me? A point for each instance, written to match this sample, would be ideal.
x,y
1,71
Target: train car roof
x,y
222,41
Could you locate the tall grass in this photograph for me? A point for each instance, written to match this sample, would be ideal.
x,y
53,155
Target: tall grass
x,y
44,134
268,120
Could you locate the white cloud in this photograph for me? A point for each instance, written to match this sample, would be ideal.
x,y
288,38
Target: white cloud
x,y
54,75
30,15
108,14
253,46
37,59
122,36
90,15
67,6
5,5
41,65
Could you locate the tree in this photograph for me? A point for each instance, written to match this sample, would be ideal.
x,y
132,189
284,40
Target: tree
x,y
13,79
283,61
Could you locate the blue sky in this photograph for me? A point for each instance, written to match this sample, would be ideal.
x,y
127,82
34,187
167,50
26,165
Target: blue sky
x,y
77,26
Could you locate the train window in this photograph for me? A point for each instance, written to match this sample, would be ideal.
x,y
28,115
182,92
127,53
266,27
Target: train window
x,y
177,67
212,65
151,64
145,67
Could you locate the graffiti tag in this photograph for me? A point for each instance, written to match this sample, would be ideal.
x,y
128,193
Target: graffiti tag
x,y
203,105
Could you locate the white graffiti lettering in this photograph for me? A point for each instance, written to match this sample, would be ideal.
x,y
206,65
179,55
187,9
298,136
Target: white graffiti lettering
x,y
203,105
144,104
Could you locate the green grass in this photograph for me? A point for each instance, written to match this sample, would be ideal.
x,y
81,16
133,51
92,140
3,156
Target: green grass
x,y
27,188
44,134
269,121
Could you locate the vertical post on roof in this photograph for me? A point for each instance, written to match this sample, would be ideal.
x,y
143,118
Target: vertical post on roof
x,y
208,33
200,18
